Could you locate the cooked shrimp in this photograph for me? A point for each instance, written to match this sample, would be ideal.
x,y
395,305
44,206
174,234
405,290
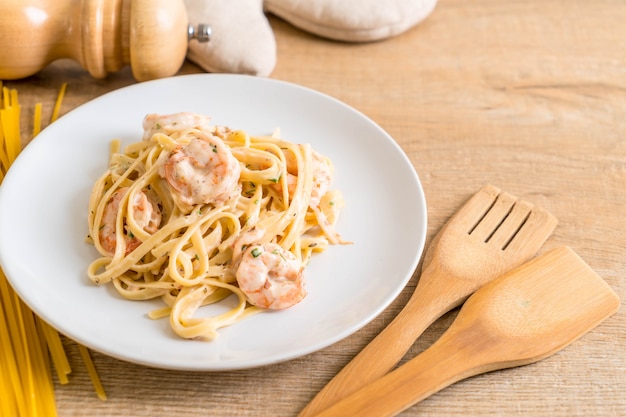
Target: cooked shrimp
x,y
322,177
171,123
271,277
147,215
203,171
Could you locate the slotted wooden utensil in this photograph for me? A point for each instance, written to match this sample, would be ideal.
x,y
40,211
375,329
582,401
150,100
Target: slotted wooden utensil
x,y
492,233
522,317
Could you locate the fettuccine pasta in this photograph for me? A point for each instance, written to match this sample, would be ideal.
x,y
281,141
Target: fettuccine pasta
x,y
194,213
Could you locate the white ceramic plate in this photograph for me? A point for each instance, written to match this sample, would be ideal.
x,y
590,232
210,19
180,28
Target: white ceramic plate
x,y
43,223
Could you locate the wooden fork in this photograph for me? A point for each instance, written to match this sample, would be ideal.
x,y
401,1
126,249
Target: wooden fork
x,y
491,234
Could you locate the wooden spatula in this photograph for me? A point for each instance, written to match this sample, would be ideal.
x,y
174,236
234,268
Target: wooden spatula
x,y
520,318
492,233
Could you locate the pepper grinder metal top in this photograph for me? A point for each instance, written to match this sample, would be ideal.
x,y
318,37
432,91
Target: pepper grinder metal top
x,y
202,33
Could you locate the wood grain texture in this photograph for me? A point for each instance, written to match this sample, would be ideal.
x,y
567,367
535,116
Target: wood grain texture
x,y
527,95
151,36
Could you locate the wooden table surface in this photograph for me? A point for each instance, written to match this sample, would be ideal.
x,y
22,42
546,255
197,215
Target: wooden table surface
x,y
527,95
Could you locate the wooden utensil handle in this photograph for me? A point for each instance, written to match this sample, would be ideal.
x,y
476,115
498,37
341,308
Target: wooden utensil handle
x,y
439,366
427,304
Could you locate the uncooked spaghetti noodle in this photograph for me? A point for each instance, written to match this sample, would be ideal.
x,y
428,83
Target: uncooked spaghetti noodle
x,y
195,213
29,347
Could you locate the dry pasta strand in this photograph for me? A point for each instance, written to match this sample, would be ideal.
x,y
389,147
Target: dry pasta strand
x,y
93,373
57,352
37,120
57,104
29,347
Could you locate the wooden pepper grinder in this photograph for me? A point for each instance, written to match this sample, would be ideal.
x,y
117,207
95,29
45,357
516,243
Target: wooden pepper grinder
x,y
102,35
